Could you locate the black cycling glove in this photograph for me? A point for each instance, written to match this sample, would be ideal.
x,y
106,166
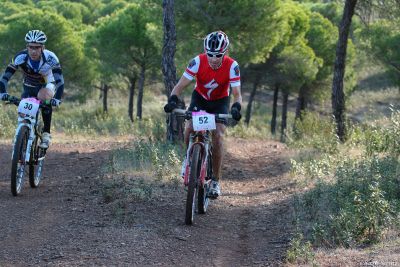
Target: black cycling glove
x,y
172,104
55,102
4,96
235,111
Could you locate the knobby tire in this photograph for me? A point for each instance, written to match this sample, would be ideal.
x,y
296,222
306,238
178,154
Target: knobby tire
x,y
34,177
193,184
203,199
19,157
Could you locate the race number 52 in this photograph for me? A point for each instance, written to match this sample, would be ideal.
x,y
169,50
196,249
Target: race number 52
x,y
203,121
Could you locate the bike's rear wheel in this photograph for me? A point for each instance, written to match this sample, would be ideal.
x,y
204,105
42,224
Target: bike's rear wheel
x,y
37,158
18,163
195,165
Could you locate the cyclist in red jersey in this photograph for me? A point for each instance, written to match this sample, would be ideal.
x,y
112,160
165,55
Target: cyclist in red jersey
x,y
215,74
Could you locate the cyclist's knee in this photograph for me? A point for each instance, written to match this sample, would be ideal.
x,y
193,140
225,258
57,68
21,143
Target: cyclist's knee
x,y
188,130
45,94
218,138
219,132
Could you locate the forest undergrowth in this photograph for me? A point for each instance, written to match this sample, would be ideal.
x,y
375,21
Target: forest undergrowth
x,y
350,191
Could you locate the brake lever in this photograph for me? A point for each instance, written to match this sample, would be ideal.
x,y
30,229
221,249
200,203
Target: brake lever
x,y
188,115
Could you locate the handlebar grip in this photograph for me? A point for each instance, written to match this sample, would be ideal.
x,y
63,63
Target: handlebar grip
x,y
179,111
46,102
14,100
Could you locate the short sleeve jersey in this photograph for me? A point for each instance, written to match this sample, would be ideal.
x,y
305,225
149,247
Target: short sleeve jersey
x,y
213,84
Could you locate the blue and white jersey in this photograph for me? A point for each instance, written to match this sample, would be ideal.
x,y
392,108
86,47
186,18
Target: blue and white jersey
x,y
36,74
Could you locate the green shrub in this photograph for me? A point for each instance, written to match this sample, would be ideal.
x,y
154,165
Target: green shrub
x,y
78,120
354,196
387,139
314,131
358,207
88,119
135,173
160,159
118,192
300,251
119,187
314,168
8,121
364,219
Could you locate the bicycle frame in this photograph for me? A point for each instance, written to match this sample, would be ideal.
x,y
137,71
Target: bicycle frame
x,y
198,156
26,151
31,123
201,138
28,123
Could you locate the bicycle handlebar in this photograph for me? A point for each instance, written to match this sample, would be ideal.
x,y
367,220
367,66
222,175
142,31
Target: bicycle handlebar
x,y
188,114
15,100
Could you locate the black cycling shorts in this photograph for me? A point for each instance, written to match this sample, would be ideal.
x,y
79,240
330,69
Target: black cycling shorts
x,y
220,106
31,91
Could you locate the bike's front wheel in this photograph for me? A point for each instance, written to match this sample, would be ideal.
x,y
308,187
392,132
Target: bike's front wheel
x,y
195,164
37,158
203,198
18,163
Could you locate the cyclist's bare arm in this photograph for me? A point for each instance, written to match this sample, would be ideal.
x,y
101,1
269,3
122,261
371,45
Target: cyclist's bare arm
x,y
237,95
182,84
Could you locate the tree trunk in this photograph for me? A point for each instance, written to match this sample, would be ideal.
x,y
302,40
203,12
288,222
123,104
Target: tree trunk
x,y
169,47
274,109
105,89
301,102
140,92
285,97
338,100
175,125
131,96
251,99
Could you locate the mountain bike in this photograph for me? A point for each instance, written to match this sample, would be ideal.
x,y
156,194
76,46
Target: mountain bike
x,y
26,150
197,166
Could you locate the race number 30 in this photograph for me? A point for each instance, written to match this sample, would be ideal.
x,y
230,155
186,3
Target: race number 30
x,y
203,121
29,107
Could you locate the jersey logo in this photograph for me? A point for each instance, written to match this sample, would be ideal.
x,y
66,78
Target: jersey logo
x,y
20,59
191,64
51,61
211,87
237,71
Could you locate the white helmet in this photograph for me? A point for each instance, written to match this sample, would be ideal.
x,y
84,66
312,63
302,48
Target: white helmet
x,y
35,36
216,43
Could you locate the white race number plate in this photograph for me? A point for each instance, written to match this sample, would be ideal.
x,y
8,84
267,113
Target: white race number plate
x,y
203,121
29,107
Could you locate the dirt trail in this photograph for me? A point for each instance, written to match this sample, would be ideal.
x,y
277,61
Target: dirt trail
x,y
65,222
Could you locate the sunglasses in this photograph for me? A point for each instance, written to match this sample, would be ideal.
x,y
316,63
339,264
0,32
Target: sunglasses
x,y
214,55
34,47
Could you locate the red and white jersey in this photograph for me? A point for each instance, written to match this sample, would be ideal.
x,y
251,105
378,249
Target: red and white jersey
x,y
213,84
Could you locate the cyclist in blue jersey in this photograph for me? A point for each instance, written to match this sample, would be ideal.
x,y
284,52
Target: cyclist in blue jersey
x,y
42,74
